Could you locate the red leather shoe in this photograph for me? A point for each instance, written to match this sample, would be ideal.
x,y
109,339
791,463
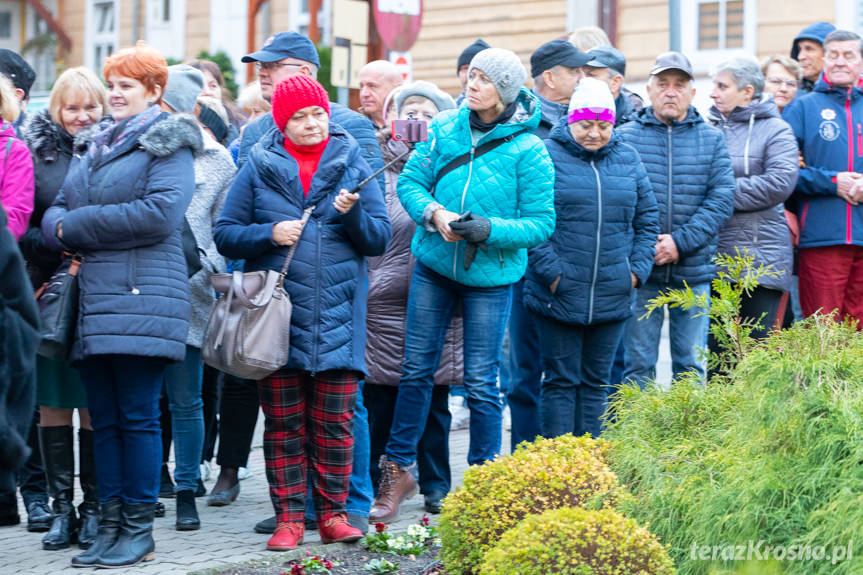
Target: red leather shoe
x,y
287,536
336,529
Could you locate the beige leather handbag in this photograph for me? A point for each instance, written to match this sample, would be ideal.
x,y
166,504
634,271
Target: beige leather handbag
x,y
249,330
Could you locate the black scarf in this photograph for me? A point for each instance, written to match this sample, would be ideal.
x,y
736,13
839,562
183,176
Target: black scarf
x,y
477,124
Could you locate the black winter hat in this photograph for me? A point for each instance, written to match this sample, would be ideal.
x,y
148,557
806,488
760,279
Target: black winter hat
x,y
471,51
17,69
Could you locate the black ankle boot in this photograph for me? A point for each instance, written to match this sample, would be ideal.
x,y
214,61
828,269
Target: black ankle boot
x,y
59,459
166,485
110,520
187,514
135,543
88,511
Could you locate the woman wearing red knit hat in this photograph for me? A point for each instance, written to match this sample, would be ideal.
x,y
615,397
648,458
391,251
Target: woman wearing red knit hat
x,y
306,164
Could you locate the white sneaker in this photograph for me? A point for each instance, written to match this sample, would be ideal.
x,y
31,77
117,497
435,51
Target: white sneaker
x,y
206,471
243,473
460,417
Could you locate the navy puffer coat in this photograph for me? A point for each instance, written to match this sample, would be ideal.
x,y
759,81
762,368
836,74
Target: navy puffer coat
x,y
607,223
123,213
690,171
327,279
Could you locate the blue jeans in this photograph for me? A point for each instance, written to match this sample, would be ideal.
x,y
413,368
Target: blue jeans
x,y
431,303
687,334
576,361
123,397
361,490
521,371
183,384
433,467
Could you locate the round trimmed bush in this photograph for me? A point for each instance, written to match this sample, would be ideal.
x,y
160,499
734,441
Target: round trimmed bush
x,y
573,541
547,474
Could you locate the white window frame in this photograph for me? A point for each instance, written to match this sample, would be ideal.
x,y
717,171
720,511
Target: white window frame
x,y
299,18
95,38
169,34
703,61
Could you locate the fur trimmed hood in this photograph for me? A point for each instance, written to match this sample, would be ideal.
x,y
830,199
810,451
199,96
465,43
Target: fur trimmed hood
x,y
164,137
174,132
44,137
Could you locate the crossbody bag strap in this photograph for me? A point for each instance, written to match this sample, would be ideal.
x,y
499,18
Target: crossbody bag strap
x,y
463,159
306,213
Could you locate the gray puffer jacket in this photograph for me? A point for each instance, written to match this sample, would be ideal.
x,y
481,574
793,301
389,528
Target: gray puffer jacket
x,y
764,157
389,284
214,174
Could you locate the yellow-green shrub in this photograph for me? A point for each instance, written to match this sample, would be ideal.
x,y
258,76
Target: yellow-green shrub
x,y
550,473
573,541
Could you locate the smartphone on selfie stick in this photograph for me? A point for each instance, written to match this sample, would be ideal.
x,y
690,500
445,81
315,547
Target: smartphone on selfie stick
x,y
409,131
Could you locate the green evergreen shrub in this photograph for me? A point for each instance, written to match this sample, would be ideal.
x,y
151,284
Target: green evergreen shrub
x,y
547,474
772,452
574,541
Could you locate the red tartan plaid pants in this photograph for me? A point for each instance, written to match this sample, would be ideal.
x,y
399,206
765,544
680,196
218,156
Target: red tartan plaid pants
x,y
309,423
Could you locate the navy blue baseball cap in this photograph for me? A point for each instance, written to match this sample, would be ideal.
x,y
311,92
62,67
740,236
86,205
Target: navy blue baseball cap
x,y
556,53
285,45
607,57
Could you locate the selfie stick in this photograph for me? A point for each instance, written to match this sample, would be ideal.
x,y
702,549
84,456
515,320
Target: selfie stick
x,y
356,188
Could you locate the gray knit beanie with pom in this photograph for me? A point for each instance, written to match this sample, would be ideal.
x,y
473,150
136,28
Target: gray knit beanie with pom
x,y
504,69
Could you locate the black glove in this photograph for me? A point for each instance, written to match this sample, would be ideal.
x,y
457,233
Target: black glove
x,y
474,229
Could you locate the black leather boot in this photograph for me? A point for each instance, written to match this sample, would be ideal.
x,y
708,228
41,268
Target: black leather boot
x,y
59,459
187,514
135,543
88,511
110,520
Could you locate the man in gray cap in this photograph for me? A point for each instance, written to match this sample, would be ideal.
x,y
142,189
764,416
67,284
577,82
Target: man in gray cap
x,y
690,172
608,64
282,56
808,50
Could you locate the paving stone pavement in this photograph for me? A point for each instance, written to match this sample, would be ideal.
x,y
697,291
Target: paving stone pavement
x,y
226,534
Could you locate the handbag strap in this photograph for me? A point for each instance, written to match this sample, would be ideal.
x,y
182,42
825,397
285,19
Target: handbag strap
x,y
306,213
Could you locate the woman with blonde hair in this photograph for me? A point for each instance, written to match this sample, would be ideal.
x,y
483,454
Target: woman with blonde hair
x,y
782,77
16,167
78,100
121,208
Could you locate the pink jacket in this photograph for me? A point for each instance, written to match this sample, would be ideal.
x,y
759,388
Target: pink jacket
x,y
16,180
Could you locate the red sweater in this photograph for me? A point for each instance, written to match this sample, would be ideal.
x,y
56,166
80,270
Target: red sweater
x,y
308,158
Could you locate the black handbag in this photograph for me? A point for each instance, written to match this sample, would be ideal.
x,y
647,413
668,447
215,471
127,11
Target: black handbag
x,y
58,309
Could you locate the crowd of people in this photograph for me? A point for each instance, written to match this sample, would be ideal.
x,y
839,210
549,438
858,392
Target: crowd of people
x,y
547,218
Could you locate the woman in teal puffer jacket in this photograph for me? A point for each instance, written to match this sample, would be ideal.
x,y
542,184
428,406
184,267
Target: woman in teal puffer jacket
x,y
476,218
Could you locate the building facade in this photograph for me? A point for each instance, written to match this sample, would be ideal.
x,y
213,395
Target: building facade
x,y
56,34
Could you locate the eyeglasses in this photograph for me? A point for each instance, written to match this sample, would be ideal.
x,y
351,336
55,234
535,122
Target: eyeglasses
x,y
774,81
272,66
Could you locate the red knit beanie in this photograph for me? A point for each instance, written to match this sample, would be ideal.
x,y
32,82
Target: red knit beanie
x,y
295,93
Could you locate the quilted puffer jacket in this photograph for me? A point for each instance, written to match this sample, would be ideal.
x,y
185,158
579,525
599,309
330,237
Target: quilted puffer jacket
x,y
690,171
513,186
123,212
764,157
327,276
389,285
607,223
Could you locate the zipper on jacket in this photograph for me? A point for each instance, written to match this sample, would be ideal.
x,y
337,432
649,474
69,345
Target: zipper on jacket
x,y
668,207
849,121
598,240
461,209
317,303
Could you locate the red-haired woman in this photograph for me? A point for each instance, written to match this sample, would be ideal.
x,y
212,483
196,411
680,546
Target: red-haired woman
x,y
121,208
